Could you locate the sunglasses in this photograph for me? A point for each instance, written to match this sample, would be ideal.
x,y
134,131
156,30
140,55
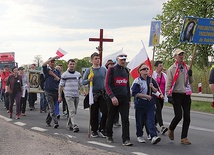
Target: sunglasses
x,y
143,69
123,55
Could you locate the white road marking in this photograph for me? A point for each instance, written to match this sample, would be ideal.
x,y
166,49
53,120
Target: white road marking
x,y
5,118
56,133
139,153
39,129
70,136
101,144
194,127
20,123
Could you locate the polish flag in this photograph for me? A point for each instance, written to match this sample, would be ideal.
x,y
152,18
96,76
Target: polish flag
x,y
112,57
60,52
140,58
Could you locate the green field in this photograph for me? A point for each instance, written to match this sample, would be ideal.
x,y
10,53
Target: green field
x,y
199,106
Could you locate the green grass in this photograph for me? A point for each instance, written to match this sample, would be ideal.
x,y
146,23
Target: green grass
x,y
199,106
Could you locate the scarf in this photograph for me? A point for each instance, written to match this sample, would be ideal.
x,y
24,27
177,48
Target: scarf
x,y
188,87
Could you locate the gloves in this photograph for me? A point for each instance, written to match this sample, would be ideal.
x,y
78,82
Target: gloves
x,y
189,72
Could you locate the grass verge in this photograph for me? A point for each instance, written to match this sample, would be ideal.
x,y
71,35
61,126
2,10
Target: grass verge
x,y
199,106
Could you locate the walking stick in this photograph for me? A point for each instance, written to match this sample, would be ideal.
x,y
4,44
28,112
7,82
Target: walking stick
x,y
89,130
191,63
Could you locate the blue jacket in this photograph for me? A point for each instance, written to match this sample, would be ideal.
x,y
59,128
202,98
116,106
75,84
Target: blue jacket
x,y
142,86
51,84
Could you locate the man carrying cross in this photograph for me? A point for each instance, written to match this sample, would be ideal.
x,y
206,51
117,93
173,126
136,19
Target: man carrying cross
x,y
99,104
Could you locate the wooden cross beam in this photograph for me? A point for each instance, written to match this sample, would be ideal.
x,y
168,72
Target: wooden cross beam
x,y
101,40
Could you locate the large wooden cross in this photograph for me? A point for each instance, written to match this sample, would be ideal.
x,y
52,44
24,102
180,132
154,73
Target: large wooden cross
x,y
101,40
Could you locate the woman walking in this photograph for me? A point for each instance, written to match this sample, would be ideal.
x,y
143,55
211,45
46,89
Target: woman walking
x,y
14,88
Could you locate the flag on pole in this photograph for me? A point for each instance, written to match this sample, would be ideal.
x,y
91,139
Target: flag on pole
x,y
60,52
91,97
140,58
111,57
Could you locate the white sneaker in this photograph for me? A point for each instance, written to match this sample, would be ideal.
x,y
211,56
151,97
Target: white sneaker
x,y
149,137
141,140
155,140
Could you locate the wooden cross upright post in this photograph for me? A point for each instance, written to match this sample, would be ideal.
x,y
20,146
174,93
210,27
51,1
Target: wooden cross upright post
x,y
101,40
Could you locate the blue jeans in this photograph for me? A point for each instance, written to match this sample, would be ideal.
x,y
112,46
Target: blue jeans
x,y
146,111
57,108
43,102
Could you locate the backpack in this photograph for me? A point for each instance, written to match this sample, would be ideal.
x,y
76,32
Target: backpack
x,y
112,72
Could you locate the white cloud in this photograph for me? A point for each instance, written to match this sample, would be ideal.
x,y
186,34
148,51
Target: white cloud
x,y
40,27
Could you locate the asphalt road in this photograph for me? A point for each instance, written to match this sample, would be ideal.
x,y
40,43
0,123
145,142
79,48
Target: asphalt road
x,y
201,133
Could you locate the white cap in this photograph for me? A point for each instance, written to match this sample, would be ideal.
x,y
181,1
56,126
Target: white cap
x,y
177,51
122,56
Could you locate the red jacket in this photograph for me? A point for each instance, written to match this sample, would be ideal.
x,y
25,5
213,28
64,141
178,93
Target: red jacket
x,y
4,75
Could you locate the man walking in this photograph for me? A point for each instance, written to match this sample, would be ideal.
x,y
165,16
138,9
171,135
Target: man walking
x,y
118,89
179,78
51,89
70,81
99,104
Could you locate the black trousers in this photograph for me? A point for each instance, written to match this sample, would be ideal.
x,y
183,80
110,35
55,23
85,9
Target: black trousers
x,y
98,106
32,98
23,102
158,112
182,106
123,109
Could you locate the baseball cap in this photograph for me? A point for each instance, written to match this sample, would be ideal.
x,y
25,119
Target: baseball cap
x,y
178,51
109,62
122,56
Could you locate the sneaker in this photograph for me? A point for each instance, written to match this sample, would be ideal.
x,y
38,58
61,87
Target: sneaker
x,y
23,114
75,128
17,117
171,134
69,128
56,126
109,140
185,141
103,133
127,143
155,140
117,124
141,139
11,115
58,116
94,134
64,113
48,124
164,130
149,137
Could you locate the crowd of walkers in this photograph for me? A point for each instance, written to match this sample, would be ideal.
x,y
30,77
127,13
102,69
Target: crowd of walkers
x,y
112,95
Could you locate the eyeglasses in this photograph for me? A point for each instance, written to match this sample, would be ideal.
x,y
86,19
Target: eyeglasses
x,y
143,69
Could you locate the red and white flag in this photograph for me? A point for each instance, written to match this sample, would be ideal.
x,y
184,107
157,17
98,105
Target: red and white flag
x,y
60,52
140,58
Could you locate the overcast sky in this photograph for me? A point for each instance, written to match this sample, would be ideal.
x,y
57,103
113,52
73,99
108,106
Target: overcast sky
x,y
40,27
